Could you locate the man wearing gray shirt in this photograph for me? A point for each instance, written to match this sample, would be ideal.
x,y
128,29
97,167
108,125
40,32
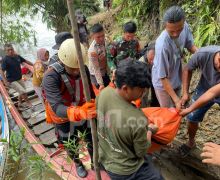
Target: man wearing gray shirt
x,y
207,59
167,68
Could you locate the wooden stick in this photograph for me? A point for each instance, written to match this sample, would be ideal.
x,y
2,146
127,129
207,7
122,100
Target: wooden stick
x,y
85,83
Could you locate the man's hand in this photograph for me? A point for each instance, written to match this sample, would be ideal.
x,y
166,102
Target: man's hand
x,y
211,153
102,57
85,112
152,129
113,75
184,112
178,104
184,99
101,87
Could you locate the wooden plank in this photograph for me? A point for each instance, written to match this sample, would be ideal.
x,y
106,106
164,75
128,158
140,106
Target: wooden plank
x,y
26,114
35,101
15,101
28,91
42,127
33,113
37,119
11,91
49,137
30,97
28,84
38,108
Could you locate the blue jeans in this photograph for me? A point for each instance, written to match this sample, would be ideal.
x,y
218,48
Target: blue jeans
x,y
198,115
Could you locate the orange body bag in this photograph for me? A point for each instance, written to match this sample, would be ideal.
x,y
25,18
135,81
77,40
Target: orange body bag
x,y
168,122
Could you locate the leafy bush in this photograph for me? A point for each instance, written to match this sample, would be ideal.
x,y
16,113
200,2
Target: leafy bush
x,y
20,158
204,17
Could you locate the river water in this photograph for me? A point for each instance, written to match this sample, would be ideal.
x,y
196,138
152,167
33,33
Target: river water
x,y
44,37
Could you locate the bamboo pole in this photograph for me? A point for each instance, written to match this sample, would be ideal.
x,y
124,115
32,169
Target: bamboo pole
x,y
73,21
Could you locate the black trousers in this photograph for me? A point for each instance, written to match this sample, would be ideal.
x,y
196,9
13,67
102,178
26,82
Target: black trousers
x,y
106,80
65,132
145,172
154,102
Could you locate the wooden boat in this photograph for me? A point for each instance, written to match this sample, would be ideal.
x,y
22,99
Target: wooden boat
x,y
42,135
4,131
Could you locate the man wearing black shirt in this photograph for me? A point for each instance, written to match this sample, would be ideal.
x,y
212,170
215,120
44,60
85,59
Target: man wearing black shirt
x,y
11,64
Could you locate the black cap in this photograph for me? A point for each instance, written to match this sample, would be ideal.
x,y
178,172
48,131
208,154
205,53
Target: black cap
x,y
60,37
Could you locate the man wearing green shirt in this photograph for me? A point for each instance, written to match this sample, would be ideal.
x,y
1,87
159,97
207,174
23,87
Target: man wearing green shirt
x,y
122,128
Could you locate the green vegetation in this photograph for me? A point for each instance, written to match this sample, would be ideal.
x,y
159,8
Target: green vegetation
x,y
146,13
137,11
54,14
21,160
37,168
74,147
13,29
204,17
206,14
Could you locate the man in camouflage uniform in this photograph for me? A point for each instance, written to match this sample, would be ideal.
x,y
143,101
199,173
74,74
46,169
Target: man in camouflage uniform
x,y
124,47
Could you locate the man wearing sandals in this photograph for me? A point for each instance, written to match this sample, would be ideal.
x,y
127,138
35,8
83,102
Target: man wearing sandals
x,y
207,59
11,63
211,151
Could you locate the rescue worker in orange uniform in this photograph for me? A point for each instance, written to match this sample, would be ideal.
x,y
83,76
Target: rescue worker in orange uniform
x,y
65,101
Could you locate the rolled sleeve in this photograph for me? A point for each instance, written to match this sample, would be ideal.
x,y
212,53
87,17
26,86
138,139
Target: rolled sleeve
x,y
194,62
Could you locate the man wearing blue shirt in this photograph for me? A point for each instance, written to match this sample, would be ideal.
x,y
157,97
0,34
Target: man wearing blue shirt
x,y
207,60
167,68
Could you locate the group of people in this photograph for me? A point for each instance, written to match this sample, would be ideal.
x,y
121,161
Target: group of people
x,y
123,138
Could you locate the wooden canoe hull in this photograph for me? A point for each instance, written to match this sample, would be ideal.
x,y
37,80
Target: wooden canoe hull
x,y
58,159
4,136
